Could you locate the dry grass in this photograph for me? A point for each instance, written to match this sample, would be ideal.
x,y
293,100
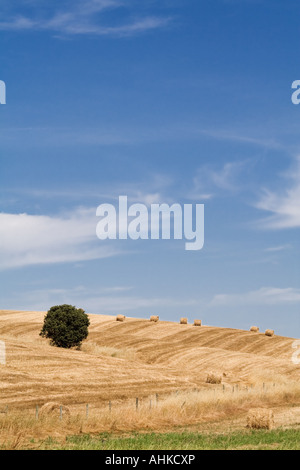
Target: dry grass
x,y
260,418
96,350
174,411
122,361
54,409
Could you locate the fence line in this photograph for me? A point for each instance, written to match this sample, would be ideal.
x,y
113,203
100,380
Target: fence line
x,y
234,389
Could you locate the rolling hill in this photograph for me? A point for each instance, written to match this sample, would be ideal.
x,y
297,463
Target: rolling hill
x,y
135,358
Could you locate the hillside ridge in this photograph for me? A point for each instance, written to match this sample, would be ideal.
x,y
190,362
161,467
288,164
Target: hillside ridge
x,y
121,360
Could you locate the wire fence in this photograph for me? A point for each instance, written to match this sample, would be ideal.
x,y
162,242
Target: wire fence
x,y
153,401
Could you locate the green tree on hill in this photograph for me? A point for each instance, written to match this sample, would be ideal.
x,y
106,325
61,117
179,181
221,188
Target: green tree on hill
x,y
66,326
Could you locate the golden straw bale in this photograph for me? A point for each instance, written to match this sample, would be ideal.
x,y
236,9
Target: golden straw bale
x,y
120,318
183,321
197,323
154,318
260,418
254,329
269,333
213,378
53,409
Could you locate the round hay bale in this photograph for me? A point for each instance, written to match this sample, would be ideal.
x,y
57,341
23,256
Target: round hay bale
x,y
183,321
154,318
254,329
197,322
269,333
120,318
260,418
213,378
53,409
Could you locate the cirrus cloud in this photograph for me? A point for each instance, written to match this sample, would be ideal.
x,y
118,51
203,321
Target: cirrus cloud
x,y
79,18
263,296
283,205
39,239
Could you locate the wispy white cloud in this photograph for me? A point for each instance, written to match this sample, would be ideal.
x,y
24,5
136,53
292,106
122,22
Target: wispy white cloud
x,y
151,191
107,300
38,239
209,179
129,135
263,296
27,239
79,17
275,249
227,177
284,205
127,304
240,137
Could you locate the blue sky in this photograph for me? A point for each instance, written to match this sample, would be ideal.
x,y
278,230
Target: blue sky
x,y
162,101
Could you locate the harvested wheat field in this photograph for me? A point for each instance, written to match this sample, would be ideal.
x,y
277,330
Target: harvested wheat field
x,y
163,364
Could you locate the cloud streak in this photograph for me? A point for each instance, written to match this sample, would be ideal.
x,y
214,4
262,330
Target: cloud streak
x,y
38,239
209,179
107,300
283,205
82,18
264,296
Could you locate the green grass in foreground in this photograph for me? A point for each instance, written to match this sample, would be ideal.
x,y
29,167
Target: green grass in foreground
x,y
247,440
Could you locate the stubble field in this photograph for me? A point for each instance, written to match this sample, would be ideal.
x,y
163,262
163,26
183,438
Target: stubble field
x,y
140,376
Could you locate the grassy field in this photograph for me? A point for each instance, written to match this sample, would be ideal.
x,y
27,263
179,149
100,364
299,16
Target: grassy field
x,y
247,440
136,358
165,365
209,413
